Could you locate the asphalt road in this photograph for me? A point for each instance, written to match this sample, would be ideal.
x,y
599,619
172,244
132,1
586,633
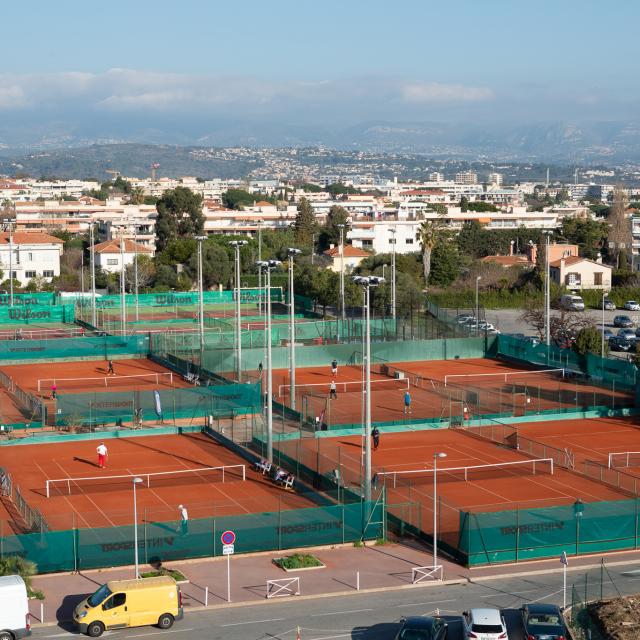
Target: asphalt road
x,y
371,616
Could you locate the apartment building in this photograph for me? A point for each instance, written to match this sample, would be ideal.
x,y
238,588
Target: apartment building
x,y
466,177
110,257
30,255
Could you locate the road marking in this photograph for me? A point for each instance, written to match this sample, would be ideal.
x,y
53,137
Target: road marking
x,y
236,624
337,613
154,633
423,604
342,635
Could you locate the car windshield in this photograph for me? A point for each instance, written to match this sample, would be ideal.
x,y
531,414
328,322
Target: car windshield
x,y
547,620
487,628
415,634
99,596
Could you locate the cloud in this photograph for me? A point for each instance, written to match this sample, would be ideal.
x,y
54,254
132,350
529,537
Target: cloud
x,y
130,90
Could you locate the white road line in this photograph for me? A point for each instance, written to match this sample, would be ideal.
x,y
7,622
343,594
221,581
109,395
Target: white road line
x,y
237,624
422,604
155,633
337,613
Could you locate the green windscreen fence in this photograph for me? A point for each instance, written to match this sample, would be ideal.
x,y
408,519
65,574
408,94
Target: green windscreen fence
x,y
41,298
78,549
524,534
98,348
620,372
173,299
74,409
37,314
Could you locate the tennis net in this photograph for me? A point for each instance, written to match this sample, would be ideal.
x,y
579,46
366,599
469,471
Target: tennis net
x,y
41,334
479,379
202,475
323,388
164,378
473,473
619,459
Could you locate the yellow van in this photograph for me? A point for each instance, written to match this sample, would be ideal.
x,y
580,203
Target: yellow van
x,y
130,603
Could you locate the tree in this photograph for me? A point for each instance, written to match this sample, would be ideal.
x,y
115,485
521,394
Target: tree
x,y
330,233
481,207
216,266
305,224
238,199
439,208
309,187
562,324
179,215
137,196
589,340
589,235
428,235
464,204
445,264
146,272
339,189
619,236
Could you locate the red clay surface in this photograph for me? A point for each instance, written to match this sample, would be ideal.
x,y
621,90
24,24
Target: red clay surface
x,y
10,412
591,439
110,505
486,491
526,392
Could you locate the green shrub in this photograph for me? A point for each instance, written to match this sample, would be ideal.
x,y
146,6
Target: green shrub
x,y
298,561
178,576
12,565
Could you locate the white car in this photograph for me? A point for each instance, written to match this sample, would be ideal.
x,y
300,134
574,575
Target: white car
x,y
632,305
484,624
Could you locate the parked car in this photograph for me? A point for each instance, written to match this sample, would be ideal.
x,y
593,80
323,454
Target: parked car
x,y
464,317
486,326
543,622
572,302
620,343
609,304
609,334
629,334
622,321
484,624
532,340
422,628
632,305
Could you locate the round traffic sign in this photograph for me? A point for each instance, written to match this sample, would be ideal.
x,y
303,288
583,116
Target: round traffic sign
x,y
228,537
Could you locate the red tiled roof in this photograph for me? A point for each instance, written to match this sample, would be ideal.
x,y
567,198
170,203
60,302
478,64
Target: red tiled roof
x,y
508,261
113,246
349,252
27,237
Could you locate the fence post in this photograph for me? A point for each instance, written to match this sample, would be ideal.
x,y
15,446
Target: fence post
x,y
517,532
343,522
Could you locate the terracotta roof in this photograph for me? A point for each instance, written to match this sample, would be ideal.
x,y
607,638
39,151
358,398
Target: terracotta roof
x,y
113,246
264,203
422,192
508,261
26,237
349,252
569,260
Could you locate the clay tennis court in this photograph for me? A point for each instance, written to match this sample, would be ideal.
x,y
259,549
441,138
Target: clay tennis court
x,y
109,503
495,489
440,389
41,331
10,412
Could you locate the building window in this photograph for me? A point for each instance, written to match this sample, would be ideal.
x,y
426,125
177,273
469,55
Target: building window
x,y
112,261
29,274
409,240
47,274
573,279
367,244
30,257
392,240
597,278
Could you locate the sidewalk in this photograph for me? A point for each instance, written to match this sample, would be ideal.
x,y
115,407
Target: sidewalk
x,y
379,567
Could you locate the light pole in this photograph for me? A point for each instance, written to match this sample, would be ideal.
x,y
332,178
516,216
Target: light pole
x,y
478,278
547,295
200,240
268,266
135,269
259,271
342,310
435,506
604,295
135,525
93,277
393,274
237,244
292,331
367,282
10,266
123,299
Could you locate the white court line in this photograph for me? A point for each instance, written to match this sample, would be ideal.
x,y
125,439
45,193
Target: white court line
x,y
337,613
237,624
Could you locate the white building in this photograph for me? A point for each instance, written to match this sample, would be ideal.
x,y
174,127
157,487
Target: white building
x,y
436,176
577,273
30,255
467,177
109,258
495,179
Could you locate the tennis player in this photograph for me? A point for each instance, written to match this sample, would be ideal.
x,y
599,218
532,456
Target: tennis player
x,y
102,452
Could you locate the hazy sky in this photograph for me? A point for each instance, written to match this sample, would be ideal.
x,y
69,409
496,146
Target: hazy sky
x,y
326,62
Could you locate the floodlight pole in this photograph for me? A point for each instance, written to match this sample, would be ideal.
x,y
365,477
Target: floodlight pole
x,y
478,278
268,266
342,309
259,270
237,244
123,299
604,293
135,527
10,266
200,240
135,269
435,506
547,298
292,331
393,275
93,277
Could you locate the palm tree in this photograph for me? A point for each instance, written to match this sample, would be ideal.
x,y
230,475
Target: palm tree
x,y
428,235
137,196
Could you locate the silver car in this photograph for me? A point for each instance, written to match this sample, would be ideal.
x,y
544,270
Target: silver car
x,y
484,624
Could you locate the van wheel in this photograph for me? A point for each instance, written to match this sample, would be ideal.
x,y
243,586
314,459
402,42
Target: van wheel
x,y
95,629
5,635
165,621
